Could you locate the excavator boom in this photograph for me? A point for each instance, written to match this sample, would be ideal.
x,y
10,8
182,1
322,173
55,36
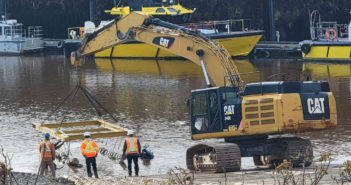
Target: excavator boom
x,y
216,62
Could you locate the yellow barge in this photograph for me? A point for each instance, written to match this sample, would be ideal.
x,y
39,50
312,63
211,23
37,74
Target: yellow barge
x,y
329,41
339,51
237,43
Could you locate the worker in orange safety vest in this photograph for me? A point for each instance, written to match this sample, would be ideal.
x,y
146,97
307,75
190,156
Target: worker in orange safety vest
x,y
90,150
47,155
131,149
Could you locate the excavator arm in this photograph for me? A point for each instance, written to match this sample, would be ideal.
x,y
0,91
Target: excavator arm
x,y
216,62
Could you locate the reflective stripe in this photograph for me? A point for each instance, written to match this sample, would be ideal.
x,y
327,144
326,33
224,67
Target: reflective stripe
x,y
46,144
89,150
132,145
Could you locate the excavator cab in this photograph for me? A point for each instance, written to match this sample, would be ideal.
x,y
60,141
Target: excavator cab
x,y
215,109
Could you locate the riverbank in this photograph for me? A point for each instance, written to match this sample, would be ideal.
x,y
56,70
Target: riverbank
x,y
247,177
321,172
28,178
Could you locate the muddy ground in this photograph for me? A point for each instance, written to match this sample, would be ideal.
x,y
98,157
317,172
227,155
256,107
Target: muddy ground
x,y
319,173
248,177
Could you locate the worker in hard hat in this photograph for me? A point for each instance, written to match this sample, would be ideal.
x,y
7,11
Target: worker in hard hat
x,y
131,149
90,151
47,155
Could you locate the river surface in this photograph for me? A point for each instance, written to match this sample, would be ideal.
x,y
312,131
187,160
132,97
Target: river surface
x,y
147,96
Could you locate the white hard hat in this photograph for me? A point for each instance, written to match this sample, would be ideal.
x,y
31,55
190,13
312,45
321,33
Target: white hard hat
x,y
86,134
130,132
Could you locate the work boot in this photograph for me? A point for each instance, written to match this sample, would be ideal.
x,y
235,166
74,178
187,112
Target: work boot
x,y
96,175
130,174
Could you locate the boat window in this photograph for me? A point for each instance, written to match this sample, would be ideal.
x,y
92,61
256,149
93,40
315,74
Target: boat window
x,y
199,105
0,30
160,10
172,10
7,31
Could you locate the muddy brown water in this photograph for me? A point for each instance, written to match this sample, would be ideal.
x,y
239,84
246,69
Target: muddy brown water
x,y
147,96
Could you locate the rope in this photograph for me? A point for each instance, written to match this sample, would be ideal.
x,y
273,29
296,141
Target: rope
x,y
98,103
64,115
91,101
118,145
63,101
118,3
69,150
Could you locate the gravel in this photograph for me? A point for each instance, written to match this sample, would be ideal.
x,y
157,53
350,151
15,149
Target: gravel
x,y
27,178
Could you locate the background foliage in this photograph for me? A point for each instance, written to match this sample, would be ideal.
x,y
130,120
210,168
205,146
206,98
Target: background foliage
x,y
291,16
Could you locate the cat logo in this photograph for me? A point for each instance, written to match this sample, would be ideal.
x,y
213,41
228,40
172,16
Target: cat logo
x,y
315,105
164,42
229,109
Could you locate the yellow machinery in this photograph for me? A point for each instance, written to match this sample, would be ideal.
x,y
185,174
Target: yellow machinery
x,y
174,12
99,129
244,115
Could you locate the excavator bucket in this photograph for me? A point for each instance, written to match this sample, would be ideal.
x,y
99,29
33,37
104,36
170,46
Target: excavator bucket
x,y
74,130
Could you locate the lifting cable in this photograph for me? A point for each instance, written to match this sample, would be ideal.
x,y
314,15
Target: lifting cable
x,y
91,99
72,99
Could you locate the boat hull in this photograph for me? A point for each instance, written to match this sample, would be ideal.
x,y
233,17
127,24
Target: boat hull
x,y
20,47
237,44
332,51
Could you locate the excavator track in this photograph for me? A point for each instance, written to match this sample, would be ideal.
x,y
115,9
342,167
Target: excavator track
x,y
299,151
216,157
296,150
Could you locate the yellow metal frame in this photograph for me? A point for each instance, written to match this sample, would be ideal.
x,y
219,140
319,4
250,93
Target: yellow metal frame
x,y
102,129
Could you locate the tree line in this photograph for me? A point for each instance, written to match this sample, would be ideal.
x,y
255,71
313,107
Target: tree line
x,y
291,16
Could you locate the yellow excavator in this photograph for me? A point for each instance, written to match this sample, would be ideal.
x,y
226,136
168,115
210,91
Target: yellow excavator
x,y
246,116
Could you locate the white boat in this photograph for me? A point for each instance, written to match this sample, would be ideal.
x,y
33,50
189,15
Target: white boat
x,y
16,41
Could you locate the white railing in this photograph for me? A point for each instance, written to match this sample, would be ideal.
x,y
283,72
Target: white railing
x,y
35,31
13,33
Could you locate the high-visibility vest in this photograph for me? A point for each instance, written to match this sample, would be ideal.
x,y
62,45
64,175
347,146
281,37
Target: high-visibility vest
x,y
89,148
132,145
47,145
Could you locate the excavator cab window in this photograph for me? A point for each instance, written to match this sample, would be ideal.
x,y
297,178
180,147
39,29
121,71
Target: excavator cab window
x,y
199,111
229,95
209,108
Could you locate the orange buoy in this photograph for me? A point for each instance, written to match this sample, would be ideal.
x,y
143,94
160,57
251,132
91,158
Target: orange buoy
x,y
331,34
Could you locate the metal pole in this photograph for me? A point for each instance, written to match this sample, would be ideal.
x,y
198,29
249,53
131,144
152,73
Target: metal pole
x,y
271,20
91,8
204,70
2,8
201,53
